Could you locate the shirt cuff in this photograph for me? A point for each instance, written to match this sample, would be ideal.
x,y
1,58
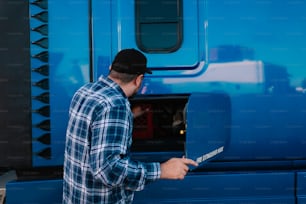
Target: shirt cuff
x,y
153,171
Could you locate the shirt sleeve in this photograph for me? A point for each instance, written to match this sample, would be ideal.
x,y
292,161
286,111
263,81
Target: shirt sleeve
x,y
109,155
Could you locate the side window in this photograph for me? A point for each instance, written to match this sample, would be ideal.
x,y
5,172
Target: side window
x,y
159,25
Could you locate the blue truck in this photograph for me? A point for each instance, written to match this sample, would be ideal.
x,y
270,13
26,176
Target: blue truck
x,y
228,89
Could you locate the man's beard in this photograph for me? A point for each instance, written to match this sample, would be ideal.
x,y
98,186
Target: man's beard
x,y
134,94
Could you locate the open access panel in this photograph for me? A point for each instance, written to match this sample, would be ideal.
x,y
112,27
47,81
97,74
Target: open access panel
x,y
194,125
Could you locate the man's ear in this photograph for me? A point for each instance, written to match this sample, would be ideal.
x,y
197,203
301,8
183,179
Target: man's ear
x,y
138,80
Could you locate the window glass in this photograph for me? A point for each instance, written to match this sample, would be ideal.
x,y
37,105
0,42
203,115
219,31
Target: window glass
x,y
158,25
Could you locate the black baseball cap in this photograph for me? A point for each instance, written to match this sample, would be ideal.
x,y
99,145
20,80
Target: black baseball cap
x,y
130,61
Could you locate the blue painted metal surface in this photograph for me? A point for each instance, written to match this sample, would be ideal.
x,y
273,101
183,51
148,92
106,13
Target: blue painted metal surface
x,y
259,187
229,188
208,121
68,49
301,187
228,48
43,191
244,51
69,60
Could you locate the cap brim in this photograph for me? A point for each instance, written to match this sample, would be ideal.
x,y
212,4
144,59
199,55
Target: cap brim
x,y
149,71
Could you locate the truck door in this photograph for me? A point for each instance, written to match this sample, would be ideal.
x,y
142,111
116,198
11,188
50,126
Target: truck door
x,y
160,29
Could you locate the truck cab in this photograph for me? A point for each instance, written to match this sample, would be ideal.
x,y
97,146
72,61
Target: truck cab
x,y
227,90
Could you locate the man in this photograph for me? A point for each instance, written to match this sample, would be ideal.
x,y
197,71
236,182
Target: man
x,y
97,166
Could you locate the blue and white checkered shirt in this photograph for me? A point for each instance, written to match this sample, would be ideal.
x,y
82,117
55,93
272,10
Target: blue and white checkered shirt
x,y
97,166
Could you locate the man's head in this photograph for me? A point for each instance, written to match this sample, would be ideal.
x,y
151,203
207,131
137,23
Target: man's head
x,y
128,69
130,61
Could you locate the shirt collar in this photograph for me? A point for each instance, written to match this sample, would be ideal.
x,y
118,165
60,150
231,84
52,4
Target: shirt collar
x,y
112,84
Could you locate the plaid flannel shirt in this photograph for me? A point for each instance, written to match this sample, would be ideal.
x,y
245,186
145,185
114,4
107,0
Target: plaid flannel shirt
x,y
97,165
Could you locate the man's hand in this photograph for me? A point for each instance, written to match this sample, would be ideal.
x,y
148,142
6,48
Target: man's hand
x,y
139,111
176,168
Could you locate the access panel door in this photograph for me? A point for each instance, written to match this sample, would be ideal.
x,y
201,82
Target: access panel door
x,y
208,119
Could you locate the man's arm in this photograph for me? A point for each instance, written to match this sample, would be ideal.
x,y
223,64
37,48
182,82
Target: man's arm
x,y
110,160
